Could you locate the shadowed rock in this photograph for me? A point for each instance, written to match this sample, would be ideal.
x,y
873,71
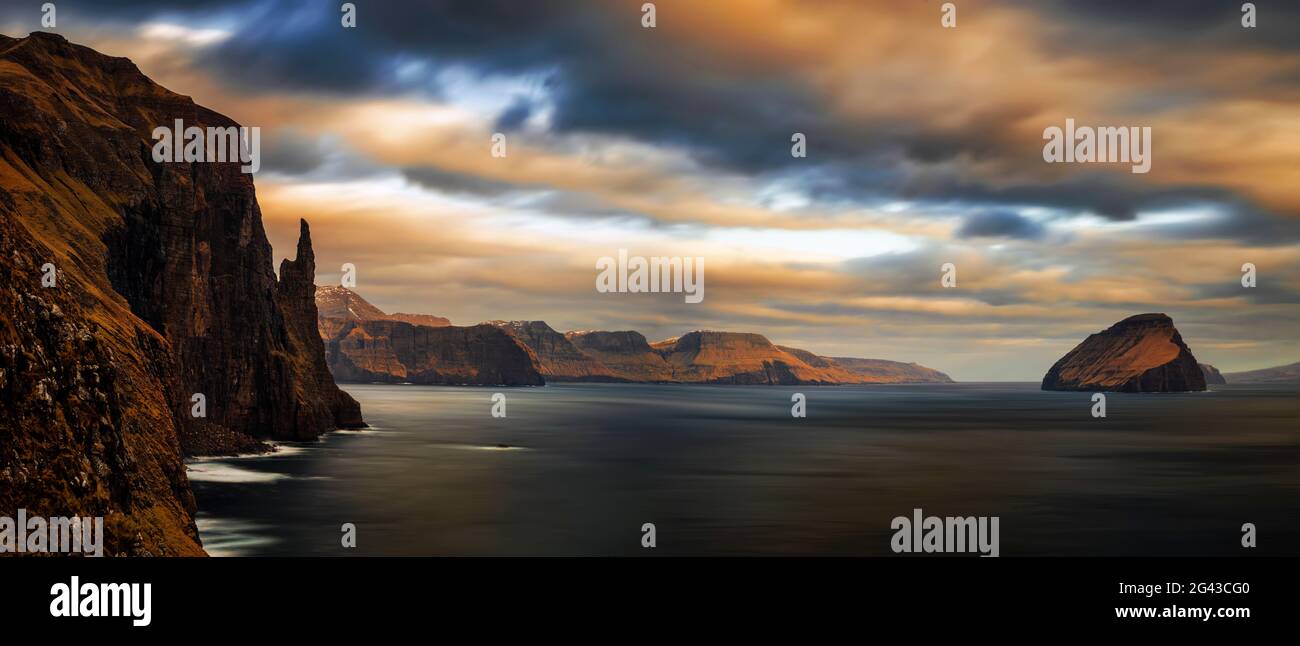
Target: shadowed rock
x,y
557,357
1140,354
364,344
165,290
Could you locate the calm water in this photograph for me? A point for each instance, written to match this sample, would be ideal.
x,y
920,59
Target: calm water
x,y
725,470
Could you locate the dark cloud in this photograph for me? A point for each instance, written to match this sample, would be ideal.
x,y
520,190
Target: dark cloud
x,y
513,117
606,75
1267,291
99,11
1103,24
916,274
523,196
452,182
284,45
1000,224
291,153
584,206
1114,196
1239,221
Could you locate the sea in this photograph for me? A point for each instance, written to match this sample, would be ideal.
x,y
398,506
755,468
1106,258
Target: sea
x,y
705,470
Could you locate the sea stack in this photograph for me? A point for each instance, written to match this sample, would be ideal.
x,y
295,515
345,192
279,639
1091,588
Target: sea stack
x,y
1141,354
1212,375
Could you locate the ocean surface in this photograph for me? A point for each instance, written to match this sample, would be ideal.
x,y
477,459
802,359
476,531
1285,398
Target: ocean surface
x,y
577,469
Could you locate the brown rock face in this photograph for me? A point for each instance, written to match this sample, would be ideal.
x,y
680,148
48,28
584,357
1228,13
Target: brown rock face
x,y
165,289
318,401
627,356
420,319
363,344
557,358
744,358
398,352
732,357
342,304
345,305
893,372
372,352
1142,353
86,428
1212,375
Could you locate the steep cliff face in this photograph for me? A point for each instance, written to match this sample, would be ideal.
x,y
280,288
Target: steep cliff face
x,y
394,351
1143,353
1212,375
364,344
359,349
85,425
164,290
557,357
731,357
626,355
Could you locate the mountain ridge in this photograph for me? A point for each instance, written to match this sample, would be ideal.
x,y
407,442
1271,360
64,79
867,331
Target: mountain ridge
x,y
362,343
701,356
1288,373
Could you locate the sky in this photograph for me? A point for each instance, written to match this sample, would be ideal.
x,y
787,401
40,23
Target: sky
x,y
924,147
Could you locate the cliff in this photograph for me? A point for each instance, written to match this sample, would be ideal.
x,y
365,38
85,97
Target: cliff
x,y
164,289
1212,375
626,355
745,358
86,427
1288,374
364,344
1143,353
557,357
342,304
420,319
697,357
894,372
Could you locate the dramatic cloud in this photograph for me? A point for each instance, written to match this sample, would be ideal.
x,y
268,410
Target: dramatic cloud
x,y
514,116
1000,224
924,147
452,182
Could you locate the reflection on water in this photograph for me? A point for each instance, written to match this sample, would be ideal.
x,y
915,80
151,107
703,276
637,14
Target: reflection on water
x,y
231,537
577,469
